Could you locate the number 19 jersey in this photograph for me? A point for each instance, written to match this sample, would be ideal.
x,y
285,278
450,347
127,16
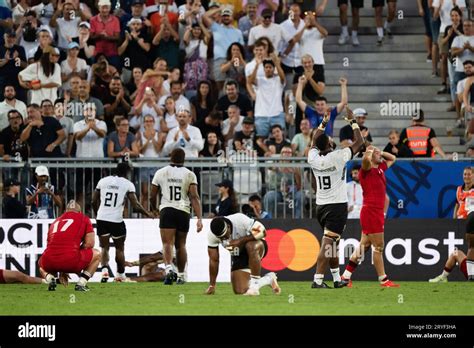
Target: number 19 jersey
x,y
113,190
330,174
174,183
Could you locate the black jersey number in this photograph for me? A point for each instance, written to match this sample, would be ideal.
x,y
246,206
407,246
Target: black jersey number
x,y
109,196
324,182
175,193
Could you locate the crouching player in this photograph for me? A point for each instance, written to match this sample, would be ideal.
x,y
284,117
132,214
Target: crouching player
x,y
245,239
70,248
8,277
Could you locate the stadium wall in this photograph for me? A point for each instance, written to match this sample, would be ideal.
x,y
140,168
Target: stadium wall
x,y
414,249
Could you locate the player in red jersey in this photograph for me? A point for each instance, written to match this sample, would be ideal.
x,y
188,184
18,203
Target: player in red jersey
x,y
373,182
70,248
7,277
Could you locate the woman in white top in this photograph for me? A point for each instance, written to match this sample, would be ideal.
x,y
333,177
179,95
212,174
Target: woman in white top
x,y
73,65
150,142
169,120
147,106
42,78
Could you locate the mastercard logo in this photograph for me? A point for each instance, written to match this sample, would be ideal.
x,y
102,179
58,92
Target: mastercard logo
x,y
296,250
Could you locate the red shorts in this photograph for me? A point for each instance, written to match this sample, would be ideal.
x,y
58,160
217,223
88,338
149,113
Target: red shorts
x,y
68,263
463,267
2,280
372,220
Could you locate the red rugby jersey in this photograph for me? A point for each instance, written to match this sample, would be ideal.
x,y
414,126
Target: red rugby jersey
x,y
374,186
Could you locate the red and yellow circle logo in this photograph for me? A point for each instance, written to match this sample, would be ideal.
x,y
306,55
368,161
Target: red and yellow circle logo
x,y
296,250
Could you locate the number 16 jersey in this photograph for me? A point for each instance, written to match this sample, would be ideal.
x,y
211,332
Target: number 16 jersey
x,y
174,183
113,190
330,174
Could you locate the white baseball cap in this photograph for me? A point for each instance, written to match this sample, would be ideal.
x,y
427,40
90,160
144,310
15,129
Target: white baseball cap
x,y
41,170
104,3
359,112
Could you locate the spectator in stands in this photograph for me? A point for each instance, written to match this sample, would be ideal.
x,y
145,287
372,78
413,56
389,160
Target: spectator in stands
x,y
450,33
255,202
12,62
78,104
73,66
181,102
355,6
166,43
291,57
43,134
202,103
211,123
73,91
41,197
163,10
378,8
188,137
6,18
234,67
86,43
190,12
268,102
468,72
121,143
316,115
212,146
12,207
261,50
11,147
232,124
89,134
284,183
174,74
67,26
346,134
102,73
147,106
300,141
424,12
314,74
268,29
245,140
442,9
10,103
32,37
136,12
395,147
234,97
42,78
196,40
421,139
263,4
68,127
47,108
132,85
249,20
105,31
224,34
169,120
135,46
21,9
354,194
227,202
277,140
116,102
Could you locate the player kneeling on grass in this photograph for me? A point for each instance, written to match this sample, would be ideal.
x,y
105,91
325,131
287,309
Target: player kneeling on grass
x,y
465,262
374,184
70,249
245,239
8,277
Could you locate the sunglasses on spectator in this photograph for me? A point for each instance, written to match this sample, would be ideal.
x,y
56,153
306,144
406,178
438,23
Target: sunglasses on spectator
x,y
267,17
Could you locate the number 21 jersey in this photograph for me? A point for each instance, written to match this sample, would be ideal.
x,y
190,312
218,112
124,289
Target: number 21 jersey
x,y
113,190
330,174
174,182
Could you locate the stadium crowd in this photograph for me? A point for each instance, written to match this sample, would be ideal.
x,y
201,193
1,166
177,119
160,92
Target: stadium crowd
x,y
140,78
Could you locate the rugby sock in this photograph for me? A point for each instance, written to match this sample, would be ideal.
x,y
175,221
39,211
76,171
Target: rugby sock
x,y
120,275
350,268
84,278
445,273
383,278
181,275
387,25
336,276
49,277
254,281
380,32
354,33
318,278
470,267
44,281
265,280
345,31
168,269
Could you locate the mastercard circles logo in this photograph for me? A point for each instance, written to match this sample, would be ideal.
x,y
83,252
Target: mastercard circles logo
x,y
296,250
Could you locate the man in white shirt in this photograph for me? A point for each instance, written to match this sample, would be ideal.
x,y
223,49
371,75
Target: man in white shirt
x,y
268,103
180,101
354,194
10,103
267,28
68,126
232,124
68,25
311,39
188,137
89,134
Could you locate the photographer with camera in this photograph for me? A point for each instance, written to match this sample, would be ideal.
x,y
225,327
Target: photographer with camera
x,y
41,197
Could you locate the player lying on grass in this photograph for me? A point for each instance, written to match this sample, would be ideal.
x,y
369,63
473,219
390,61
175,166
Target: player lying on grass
x,y
456,257
8,277
70,249
373,182
245,239
149,267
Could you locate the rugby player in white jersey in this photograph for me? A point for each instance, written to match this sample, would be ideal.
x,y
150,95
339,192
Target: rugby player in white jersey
x,y
108,202
244,237
177,186
329,169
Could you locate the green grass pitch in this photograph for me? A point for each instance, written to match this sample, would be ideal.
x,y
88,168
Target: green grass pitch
x,y
297,298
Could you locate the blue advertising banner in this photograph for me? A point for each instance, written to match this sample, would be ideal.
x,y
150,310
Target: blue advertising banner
x,y
424,189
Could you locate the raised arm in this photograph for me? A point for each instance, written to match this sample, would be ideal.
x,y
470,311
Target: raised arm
x,y
299,93
367,158
389,158
344,98
358,139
